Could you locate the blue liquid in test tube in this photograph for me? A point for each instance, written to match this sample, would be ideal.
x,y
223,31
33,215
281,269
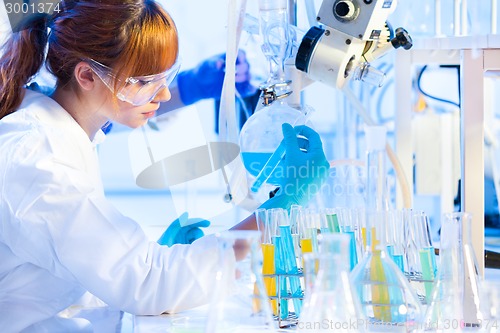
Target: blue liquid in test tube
x,y
352,249
279,261
274,160
269,167
291,266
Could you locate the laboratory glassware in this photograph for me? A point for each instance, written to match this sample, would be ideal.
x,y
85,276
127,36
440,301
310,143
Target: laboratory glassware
x,y
396,237
348,226
261,136
385,293
424,268
296,213
268,256
377,196
240,302
445,312
332,304
457,270
489,292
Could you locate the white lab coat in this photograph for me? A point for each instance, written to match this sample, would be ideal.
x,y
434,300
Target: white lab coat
x,y
60,237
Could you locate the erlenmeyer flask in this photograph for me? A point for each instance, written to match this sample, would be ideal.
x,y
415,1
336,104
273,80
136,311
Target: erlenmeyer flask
x,y
240,301
445,311
332,305
455,297
386,296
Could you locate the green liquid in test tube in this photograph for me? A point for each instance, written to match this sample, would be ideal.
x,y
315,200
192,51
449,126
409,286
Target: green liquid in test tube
x,y
427,271
333,222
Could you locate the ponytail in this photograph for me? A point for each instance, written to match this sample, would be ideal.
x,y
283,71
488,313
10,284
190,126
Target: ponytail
x,y
21,58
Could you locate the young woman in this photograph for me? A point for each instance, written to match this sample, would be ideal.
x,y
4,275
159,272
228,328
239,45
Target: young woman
x,y
59,236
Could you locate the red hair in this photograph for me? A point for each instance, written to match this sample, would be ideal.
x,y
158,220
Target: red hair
x,y
135,37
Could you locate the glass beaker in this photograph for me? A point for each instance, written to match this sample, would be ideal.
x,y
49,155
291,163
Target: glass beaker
x,y
240,302
332,304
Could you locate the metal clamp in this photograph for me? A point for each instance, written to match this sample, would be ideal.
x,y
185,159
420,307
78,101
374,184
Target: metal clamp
x,y
269,94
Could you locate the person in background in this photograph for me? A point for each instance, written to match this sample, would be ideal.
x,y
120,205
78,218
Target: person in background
x,y
59,236
205,81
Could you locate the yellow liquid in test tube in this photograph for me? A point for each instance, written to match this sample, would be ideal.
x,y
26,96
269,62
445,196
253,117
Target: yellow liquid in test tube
x,y
268,267
305,247
380,291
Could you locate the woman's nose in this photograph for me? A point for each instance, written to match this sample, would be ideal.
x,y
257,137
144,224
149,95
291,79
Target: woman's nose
x,y
163,95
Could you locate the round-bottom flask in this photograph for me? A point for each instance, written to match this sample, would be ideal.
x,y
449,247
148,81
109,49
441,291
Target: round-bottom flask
x,y
262,134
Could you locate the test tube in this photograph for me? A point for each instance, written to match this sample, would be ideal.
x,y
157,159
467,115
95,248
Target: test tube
x,y
275,216
291,264
296,214
269,167
332,220
347,227
275,159
268,266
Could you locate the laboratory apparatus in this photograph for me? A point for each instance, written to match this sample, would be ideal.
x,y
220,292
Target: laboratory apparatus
x,y
349,225
396,237
385,293
332,304
268,255
421,266
489,293
261,135
457,272
276,216
240,302
446,310
354,32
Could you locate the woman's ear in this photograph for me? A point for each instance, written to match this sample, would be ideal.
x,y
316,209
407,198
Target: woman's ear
x,y
85,76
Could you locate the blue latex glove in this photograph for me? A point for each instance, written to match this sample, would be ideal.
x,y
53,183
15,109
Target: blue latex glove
x,y
304,171
205,80
175,234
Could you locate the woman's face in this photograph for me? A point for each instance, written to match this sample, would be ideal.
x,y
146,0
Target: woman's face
x,y
136,116
128,114
135,99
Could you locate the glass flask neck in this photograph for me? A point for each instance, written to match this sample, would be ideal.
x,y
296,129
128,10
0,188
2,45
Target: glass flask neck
x,y
275,32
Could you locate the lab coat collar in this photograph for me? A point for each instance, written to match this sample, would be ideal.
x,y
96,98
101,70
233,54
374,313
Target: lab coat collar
x,y
52,112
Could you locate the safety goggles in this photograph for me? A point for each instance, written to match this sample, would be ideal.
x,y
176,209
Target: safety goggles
x,y
137,90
